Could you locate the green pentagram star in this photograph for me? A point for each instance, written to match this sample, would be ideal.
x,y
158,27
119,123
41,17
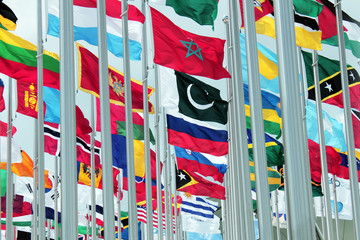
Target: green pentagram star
x,y
190,52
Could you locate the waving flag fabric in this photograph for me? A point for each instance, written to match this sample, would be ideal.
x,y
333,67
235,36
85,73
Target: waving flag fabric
x,y
198,206
195,137
187,52
85,25
2,101
7,17
89,81
192,97
24,68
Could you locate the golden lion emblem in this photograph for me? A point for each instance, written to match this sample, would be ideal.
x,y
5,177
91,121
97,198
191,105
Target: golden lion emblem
x,y
116,85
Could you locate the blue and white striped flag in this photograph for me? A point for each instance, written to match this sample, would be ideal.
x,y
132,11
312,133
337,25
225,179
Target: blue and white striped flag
x,y
198,206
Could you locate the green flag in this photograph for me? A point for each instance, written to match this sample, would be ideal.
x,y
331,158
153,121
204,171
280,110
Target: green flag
x,y
310,8
3,182
138,131
203,12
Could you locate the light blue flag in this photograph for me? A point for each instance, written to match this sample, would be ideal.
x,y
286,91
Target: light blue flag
x,y
52,103
333,118
270,85
203,236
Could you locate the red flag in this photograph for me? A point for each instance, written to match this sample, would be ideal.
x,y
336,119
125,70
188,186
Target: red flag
x,y
4,127
261,9
2,102
187,52
89,82
27,99
82,124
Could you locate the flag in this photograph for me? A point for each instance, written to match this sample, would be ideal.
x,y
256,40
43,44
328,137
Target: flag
x,y
187,52
307,31
119,156
89,82
192,97
192,224
83,144
117,121
261,9
24,68
310,8
203,12
274,150
7,17
201,207
204,236
196,162
352,26
333,122
196,184
195,137
2,101
85,25
4,129
274,177
15,151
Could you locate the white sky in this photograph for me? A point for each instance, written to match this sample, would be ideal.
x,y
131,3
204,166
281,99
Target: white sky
x,y
26,28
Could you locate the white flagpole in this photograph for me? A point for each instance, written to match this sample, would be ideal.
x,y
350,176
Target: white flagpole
x,y
257,124
353,175
241,182
34,232
92,164
324,173
40,121
120,178
56,215
301,224
9,177
106,147
336,208
69,216
158,156
166,173
133,220
145,74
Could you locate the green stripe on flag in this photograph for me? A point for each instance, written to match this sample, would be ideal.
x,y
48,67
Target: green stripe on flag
x,y
138,131
3,182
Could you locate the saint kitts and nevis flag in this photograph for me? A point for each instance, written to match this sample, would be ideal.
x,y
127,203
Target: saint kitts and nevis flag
x,y
203,12
187,52
89,81
24,68
85,25
7,17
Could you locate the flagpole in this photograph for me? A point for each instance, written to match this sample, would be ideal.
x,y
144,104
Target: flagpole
x,y
158,157
169,196
120,178
56,215
299,204
166,172
336,208
92,164
148,178
69,216
257,124
40,121
323,158
133,226
353,175
232,139
242,158
34,228
106,147
9,177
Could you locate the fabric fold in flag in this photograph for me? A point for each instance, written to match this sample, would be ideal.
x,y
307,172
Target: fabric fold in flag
x,y
8,18
195,137
187,52
88,77
85,25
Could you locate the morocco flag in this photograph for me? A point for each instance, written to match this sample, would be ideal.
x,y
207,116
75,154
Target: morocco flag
x,y
187,52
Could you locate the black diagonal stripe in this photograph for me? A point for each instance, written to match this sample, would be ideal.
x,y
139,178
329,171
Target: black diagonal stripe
x,y
335,82
51,132
86,146
307,21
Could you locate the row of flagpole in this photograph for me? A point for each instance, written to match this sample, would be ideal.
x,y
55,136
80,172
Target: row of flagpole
x,y
299,206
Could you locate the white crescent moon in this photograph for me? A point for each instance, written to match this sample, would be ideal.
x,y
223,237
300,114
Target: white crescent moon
x,y
195,104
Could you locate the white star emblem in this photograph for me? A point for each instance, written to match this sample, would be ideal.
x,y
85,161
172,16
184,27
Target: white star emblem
x,y
328,86
182,176
352,76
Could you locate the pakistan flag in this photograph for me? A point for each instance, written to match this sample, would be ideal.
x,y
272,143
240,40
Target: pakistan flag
x,y
199,100
203,12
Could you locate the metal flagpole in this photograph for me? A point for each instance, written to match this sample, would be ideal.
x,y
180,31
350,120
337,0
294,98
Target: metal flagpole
x,y
300,219
324,173
278,237
120,178
145,74
257,124
232,139
88,222
56,214
92,164
69,217
34,232
322,213
242,195
169,194
336,212
48,222
106,147
133,225
353,176
9,178
166,172
40,122
158,156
